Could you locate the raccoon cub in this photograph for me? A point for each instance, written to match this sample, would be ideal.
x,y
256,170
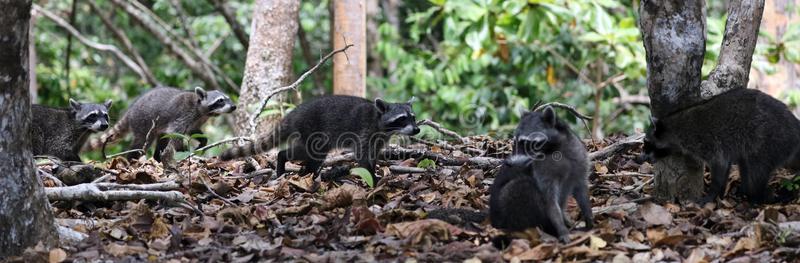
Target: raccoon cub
x,y
173,111
741,126
61,132
558,167
316,127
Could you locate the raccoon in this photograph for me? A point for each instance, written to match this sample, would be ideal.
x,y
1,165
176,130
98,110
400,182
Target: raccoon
x,y
741,126
316,127
559,164
166,110
61,132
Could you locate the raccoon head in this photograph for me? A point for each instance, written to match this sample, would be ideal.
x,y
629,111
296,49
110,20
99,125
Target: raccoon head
x,y
89,115
540,132
397,117
656,145
214,102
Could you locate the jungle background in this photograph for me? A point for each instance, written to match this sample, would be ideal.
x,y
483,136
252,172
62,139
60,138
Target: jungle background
x,y
473,65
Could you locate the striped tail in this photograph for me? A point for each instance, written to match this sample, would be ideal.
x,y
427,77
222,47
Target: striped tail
x,y
110,135
262,144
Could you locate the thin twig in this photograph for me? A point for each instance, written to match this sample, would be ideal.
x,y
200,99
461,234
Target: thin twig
x,y
229,140
438,127
295,84
125,152
212,192
147,137
563,106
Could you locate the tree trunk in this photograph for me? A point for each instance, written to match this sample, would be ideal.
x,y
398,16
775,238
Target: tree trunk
x,y
269,60
25,216
673,33
350,70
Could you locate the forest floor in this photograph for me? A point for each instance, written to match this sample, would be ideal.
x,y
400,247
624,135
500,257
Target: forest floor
x,y
236,213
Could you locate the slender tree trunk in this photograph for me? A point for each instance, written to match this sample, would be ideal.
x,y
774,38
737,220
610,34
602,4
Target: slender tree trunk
x,y
269,60
350,27
673,33
25,216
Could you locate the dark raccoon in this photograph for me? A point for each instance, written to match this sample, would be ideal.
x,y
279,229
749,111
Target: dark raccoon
x,y
558,166
742,126
61,132
173,111
316,127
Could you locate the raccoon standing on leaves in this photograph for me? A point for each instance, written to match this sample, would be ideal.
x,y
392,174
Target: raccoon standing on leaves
x,y
741,126
549,163
61,132
164,110
316,127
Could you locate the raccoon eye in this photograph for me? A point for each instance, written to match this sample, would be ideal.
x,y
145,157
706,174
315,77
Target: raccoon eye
x,y
91,118
400,120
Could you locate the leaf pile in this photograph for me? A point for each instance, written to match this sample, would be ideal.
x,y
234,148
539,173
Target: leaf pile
x,y
246,216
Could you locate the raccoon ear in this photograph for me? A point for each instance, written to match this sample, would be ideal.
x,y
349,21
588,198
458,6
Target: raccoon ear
x,y
381,105
76,106
200,92
107,104
549,115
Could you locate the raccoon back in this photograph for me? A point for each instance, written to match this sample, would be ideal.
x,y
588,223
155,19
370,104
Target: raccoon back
x,y
739,123
54,132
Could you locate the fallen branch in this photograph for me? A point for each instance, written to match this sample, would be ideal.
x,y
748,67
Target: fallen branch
x,y
90,192
398,153
406,169
617,147
165,186
293,85
438,127
102,47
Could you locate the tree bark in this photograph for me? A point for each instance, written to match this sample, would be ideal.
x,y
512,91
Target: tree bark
x,y
25,215
673,33
269,60
350,69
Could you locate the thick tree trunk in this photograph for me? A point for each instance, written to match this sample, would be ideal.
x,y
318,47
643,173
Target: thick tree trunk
x,y
673,33
269,60
25,216
350,27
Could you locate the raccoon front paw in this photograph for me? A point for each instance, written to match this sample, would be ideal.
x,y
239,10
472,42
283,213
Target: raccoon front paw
x,y
564,239
706,199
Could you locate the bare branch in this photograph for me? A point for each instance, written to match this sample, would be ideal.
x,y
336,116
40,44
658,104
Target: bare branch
x,y
230,17
293,85
229,140
126,42
617,147
165,186
89,43
563,106
90,192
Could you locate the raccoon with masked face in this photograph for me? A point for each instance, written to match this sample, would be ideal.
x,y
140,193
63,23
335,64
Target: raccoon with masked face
x,y
61,132
316,127
558,167
741,126
165,110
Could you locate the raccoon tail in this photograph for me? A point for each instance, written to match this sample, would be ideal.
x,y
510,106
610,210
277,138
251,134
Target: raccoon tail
x,y
111,135
252,148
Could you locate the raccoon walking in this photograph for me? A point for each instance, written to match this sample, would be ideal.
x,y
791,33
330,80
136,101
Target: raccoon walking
x,y
316,127
61,132
165,110
557,166
741,126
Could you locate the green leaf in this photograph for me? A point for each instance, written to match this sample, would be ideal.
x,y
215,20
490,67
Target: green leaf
x,y
426,163
175,136
199,135
364,174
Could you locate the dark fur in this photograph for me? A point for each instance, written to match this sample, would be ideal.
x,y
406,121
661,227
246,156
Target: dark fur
x,y
61,132
174,111
316,127
533,191
742,126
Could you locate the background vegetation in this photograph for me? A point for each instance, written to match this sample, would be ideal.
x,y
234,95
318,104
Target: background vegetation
x,y
474,65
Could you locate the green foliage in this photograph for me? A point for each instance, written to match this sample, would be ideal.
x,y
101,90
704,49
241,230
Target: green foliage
x,y
427,164
791,184
364,174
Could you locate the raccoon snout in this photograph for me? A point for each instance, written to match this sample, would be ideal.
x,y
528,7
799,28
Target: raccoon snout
x,y
415,131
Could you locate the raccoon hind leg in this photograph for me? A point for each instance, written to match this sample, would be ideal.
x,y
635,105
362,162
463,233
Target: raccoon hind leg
x,y
719,178
755,179
581,194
